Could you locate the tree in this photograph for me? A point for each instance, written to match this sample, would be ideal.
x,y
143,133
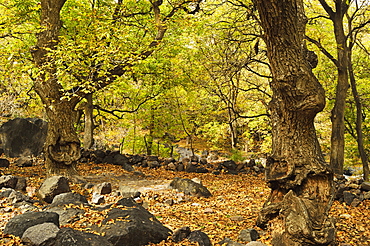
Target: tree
x,y
301,182
352,38
91,69
345,37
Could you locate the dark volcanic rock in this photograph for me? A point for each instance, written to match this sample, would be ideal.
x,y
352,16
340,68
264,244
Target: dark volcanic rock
x,y
133,226
23,137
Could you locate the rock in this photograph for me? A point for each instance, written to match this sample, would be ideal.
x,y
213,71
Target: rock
x,y
120,159
4,162
237,218
255,243
256,169
229,165
97,198
201,170
345,216
24,162
190,187
348,197
5,192
365,186
16,196
190,167
66,215
248,235
128,167
180,234
355,202
180,167
117,158
168,202
153,164
89,186
68,198
133,225
339,194
21,184
200,237
128,191
349,171
23,137
20,223
197,180
53,186
208,210
103,188
367,195
203,161
136,159
69,237
8,181
40,234
229,242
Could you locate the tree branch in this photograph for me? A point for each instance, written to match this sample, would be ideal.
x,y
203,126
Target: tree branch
x,y
323,50
328,9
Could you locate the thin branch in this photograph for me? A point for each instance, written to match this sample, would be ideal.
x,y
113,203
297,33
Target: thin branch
x,y
114,111
323,50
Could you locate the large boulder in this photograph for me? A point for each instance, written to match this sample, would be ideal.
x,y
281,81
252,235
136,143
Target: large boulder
x,y
133,225
23,137
189,187
20,223
53,186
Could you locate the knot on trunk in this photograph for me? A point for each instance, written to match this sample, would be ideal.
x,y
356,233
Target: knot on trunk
x,y
66,153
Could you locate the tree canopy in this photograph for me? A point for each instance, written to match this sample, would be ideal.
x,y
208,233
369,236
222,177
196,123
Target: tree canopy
x,y
174,70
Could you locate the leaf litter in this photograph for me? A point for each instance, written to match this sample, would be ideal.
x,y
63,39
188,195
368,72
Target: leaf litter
x,y
234,205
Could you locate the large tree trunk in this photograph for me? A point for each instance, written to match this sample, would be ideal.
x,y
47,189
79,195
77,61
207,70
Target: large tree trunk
x,y
62,147
301,182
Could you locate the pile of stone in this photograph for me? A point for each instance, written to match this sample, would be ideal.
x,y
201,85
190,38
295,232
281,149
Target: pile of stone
x,y
352,191
125,222
193,164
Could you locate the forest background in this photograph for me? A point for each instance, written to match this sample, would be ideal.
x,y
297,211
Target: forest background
x,y
206,82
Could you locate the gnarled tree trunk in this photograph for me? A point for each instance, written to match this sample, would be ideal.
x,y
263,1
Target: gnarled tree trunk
x,y
299,178
62,146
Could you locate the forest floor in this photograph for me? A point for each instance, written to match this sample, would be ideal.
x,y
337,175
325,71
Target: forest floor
x,y
233,207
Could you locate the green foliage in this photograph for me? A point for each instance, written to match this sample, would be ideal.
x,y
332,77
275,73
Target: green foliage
x,y
201,80
237,155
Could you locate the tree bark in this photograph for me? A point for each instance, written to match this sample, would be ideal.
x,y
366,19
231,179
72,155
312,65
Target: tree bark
x,y
62,146
337,114
359,136
301,181
89,122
